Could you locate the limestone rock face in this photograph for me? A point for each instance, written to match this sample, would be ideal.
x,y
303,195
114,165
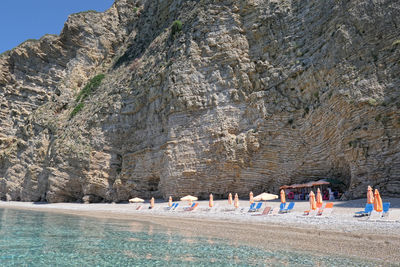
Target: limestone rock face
x,y
248,96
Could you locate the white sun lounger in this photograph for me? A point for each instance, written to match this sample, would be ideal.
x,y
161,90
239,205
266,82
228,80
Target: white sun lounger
x,y
214,209
310,214
375,216
275,211
325,212
210,210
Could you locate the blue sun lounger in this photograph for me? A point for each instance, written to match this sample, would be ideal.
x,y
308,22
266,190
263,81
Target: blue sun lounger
x,y
366,212
172,207
256,208
282,207
288,208
252,207
190,208
176,205
385,209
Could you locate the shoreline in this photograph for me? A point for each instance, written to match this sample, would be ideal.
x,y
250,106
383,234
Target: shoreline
x,y
340,235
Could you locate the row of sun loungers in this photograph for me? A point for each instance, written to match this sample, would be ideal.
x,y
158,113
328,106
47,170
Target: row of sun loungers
x,y
288,207
269,211
174,207
255,207
369,208
320,211
176,204
374,215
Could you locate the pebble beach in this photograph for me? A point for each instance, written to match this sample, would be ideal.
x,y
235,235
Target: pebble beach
x,y
339,234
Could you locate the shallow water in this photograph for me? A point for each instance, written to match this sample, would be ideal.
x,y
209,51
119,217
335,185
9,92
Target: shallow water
x,y
30,238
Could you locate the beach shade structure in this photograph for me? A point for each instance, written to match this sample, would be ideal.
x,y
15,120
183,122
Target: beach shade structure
x,y
230,199
370,196
377,201
170,201
306,185
136,200
236,204
265,196
319,197
251,197
283,196
309,184
189,198
313,203
320,182
152,202
294,186
211,202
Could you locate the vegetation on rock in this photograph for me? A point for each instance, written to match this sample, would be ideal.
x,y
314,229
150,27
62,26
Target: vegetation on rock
x,y
176,27
89,88
76,109
92,85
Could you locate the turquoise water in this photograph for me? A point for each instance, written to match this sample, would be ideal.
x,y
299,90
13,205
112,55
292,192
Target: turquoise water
x,y
29,238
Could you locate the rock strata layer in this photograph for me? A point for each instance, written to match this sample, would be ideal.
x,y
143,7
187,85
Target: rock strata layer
x,y
249,95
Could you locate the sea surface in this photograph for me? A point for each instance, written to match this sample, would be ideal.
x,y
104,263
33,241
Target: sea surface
x,y
31,238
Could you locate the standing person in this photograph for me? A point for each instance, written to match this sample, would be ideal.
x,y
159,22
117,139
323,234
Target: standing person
x,y
331,197
326,195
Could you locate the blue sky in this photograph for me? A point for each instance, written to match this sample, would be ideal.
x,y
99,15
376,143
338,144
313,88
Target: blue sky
x,y
30,19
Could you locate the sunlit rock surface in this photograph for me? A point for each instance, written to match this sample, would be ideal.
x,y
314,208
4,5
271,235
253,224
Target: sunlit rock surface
x,y
249,95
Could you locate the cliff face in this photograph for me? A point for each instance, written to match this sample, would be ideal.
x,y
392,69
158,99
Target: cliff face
x,y
248,95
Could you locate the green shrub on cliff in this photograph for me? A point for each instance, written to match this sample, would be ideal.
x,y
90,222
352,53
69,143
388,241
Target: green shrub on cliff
x,y
76,109
176,27
92,85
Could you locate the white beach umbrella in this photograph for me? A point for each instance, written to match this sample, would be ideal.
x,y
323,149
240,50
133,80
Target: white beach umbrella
x,y
265,196
136,200
189,198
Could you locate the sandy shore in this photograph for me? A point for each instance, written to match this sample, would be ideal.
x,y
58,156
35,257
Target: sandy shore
x,y
341,234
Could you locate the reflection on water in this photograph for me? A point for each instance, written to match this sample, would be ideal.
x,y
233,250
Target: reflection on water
x,y
30,238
